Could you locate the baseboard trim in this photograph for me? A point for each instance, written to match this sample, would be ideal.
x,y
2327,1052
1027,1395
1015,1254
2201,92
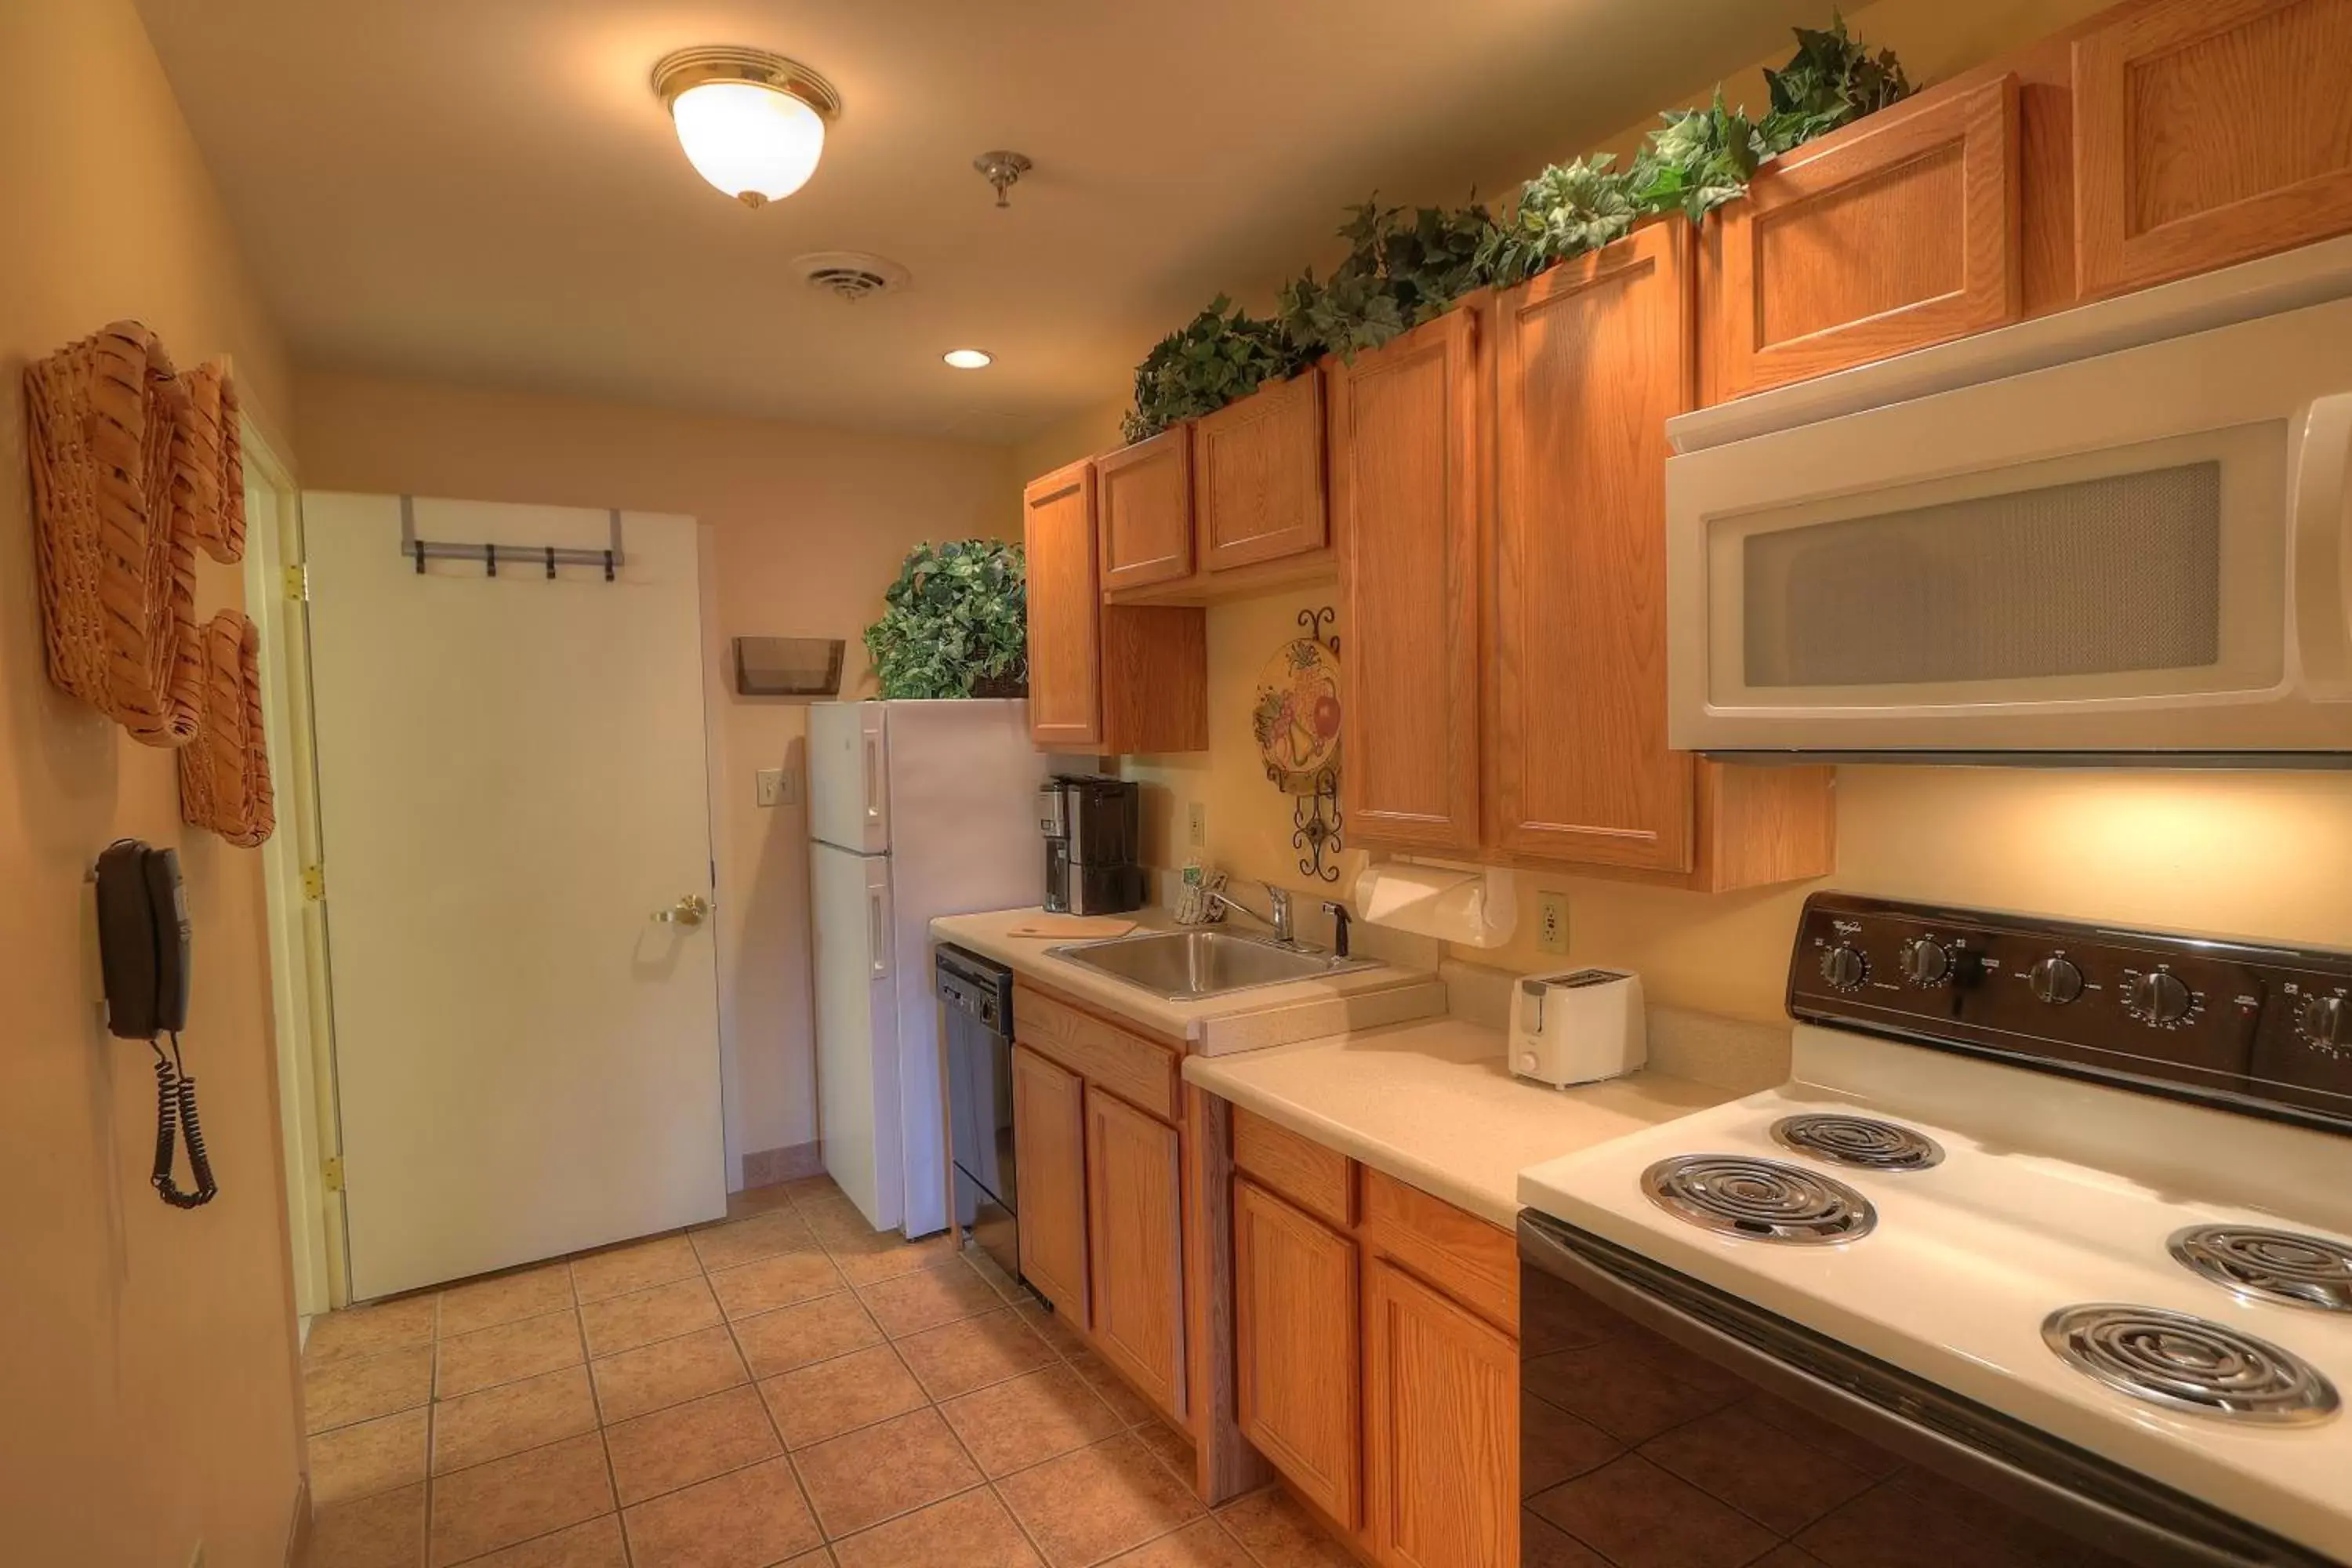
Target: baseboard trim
x,y
766,1167
298,1529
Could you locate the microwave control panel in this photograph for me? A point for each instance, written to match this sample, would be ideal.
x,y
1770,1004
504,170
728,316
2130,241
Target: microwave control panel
x,y
2252,1027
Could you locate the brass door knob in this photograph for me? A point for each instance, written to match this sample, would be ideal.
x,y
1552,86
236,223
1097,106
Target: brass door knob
x,y
687,912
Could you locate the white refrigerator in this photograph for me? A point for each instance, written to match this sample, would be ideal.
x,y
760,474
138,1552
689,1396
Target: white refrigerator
x,y
916,809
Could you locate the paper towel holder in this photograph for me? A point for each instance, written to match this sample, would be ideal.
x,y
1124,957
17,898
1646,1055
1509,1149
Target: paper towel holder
x,y
1485,901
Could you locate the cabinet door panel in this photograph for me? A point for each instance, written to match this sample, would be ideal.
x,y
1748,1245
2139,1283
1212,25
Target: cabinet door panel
x,y
1591,358
1259,476
1900,233
1295,1347
2208,132
1441,1425
1049,1141
1135,1235
1064,610
1145,494
1404,489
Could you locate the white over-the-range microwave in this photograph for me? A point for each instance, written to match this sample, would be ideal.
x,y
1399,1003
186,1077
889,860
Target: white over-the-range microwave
x,y
2122,533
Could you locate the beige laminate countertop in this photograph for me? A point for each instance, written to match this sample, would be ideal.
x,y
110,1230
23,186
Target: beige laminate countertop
x,y
1432,1104
1237,1021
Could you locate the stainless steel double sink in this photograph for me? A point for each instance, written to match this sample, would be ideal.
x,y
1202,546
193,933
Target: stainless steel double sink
x,y
1187,965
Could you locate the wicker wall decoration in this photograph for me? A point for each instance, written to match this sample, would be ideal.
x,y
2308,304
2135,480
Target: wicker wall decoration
x,y
118,578
208,464
225,772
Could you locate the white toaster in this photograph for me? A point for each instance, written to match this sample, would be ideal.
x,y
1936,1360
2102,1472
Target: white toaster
x,y
1579,1026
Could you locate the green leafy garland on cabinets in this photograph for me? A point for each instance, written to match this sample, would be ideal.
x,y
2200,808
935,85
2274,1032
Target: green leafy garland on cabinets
x,y
1403,269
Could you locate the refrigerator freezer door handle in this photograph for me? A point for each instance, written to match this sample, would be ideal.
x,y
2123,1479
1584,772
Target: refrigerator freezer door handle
x,y
873,779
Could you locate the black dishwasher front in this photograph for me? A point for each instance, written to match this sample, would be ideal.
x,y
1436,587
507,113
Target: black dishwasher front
x,y
976,996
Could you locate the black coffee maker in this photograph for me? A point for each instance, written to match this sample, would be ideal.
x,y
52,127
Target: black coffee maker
x,y
1094,841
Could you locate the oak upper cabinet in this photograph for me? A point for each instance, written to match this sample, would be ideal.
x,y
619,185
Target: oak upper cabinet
x,y
1049,1139
1441,1428
2208,132
1899,232
1065,609
1258,475
1405,504
1145,494
1295,1354
1590,359
1135,1229
1103,679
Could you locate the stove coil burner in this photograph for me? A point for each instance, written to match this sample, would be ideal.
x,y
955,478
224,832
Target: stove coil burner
x,y
2282,1266
1859,1141
1763,1200
2189,1363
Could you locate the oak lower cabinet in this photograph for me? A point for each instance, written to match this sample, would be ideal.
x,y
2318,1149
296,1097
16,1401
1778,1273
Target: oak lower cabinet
x,y
2208,132
1135,1246
1049,1143
1295,1348
1104,678
1376,1353
1442,1420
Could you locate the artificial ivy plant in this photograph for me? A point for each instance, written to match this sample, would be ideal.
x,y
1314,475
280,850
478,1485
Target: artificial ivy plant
x,y
1219,357
1399,271
956,623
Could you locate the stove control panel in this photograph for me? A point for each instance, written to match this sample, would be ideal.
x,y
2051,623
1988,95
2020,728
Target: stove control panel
x,y
2252,1028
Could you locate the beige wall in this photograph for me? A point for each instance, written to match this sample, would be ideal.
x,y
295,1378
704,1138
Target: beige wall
x,y
2256,853
803,528
146,1354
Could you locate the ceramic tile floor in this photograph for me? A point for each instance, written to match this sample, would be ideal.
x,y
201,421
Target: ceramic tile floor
x,y
782,1387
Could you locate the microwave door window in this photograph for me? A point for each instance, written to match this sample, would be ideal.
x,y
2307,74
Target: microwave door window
x,y
2095,577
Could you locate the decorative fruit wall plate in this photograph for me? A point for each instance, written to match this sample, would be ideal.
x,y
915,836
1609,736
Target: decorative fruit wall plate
x,y
1297,720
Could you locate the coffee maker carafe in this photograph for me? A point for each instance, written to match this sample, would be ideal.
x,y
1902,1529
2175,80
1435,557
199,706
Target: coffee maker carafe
x,y
1093,832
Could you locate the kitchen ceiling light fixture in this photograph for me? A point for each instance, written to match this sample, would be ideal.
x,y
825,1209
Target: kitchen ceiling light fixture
x,y
752,123
1002,169
969,359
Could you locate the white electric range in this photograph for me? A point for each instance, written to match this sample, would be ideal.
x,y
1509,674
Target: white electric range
x,y
2043,1256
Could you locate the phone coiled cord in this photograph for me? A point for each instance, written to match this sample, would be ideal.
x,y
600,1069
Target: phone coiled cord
x,y
175,1113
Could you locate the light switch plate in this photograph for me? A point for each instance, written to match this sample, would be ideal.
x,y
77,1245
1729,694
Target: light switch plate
x,y
1551,921
770,782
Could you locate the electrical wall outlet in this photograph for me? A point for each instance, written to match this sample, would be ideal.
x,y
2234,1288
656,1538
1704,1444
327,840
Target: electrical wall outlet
x,y
1196,830
769,785
1551,922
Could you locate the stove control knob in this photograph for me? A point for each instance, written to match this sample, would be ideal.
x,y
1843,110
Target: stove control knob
x,y
2158,998
1925,963
2327,1023
2056,981
1844,967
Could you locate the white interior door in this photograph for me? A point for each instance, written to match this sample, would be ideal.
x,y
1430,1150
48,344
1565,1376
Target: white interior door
x,y
513,783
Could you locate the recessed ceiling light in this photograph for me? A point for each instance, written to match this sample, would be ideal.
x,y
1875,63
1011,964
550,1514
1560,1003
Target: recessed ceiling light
x,y
969,359
752,123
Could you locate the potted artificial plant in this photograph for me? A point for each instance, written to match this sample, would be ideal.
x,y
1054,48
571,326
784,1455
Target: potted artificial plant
x,y
955,624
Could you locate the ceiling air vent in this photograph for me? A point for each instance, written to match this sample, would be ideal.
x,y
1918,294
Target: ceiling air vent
x,y
851,275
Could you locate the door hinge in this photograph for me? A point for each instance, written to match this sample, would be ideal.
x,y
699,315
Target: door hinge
x,y
314,883
298,584
330,1174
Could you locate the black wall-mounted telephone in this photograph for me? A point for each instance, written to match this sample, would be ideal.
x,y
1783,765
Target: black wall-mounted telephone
x,y
142,947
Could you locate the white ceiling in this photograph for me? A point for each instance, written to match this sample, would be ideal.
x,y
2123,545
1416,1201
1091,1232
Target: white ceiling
x,y
487,191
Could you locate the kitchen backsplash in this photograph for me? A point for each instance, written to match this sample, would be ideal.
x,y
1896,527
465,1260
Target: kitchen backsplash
x,y
2253,854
